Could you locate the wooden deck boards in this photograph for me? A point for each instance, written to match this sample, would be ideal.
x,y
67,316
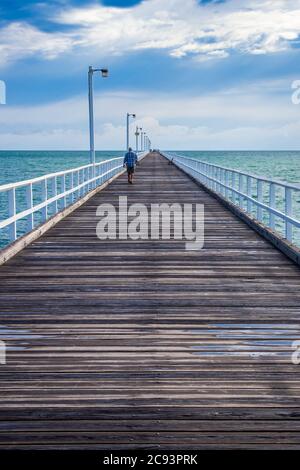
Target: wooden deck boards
x,y
142,344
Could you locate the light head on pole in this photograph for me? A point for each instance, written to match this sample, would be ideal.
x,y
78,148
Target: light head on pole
x,y
104,73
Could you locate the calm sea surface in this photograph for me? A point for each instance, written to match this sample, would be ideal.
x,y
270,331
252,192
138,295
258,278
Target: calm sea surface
x,y
281,165
284,166
20,165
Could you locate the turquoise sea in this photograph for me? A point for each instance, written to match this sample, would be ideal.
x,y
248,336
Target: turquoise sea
x,y
20,165
23,165
273,164
279,165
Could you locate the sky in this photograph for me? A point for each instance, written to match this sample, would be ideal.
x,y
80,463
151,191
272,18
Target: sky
x,y
200,75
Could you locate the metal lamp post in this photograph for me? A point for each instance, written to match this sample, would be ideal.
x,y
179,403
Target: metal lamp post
x,y
141,136
142,140
137,139
104,73
127,128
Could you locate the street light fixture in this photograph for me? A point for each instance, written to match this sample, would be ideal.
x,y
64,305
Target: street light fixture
x,y
104,73
128,115
137,139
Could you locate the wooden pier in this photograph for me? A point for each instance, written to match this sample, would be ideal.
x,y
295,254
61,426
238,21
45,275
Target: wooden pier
x,y
122,344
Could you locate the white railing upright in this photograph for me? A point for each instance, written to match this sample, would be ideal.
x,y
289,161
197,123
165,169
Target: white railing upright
x,y
271,202
48,194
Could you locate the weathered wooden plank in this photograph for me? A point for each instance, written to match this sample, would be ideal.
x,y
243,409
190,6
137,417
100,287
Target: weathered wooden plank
x,y
150,425
129,413
126,344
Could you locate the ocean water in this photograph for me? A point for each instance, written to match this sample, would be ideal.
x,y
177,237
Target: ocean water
x,y
21,165
284,166
279,165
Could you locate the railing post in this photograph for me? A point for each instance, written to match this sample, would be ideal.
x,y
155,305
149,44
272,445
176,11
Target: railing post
x,y
215,173
44,199
12,228
29,203
223,181
72,186
233,195
87,179
92,176
94,183
218,178
63,189
54,192
82,182
226,183
78,183
98,175
288,211
272,203
241,199
260,199
249,193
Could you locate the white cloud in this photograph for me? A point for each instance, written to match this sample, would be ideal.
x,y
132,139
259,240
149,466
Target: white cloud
x,y
255,121
174,137
20,40
179,27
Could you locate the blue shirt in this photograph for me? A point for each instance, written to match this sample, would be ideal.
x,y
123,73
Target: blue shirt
x,y
130,159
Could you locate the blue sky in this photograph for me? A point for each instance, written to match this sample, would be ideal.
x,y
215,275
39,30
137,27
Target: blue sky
x,y
198,74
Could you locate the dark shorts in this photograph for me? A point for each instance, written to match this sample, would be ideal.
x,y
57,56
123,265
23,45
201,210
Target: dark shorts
x,y
130,170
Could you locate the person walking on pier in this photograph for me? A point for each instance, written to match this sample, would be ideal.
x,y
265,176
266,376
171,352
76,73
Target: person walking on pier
x,y
130,160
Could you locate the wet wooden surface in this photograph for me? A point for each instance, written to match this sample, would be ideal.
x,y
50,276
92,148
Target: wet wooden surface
x,y
124,344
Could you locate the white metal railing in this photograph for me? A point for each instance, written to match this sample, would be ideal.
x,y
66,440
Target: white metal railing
x,y
37,199
270,201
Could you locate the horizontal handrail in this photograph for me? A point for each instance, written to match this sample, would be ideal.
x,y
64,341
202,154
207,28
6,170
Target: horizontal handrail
x,y
19,184
284,184
223,180
25,213
273,210
73,184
